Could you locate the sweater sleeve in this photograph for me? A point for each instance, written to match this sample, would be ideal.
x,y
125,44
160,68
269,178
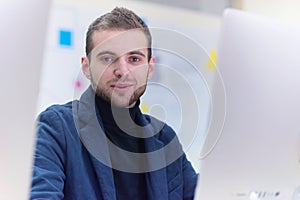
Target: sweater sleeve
x,y
190,178
48,169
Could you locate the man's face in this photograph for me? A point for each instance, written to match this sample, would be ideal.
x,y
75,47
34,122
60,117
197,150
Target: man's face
x,y
118,67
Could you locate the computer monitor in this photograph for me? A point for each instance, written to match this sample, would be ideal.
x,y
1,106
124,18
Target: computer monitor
x,y
22,36
257,155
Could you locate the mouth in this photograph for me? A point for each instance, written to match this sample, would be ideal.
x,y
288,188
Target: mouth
x,y
121,87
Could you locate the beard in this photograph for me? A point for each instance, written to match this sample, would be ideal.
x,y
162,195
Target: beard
x,y
117,99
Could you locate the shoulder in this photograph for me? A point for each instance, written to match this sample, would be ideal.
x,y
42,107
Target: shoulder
x,y
56,112
56,121
55,127
165,133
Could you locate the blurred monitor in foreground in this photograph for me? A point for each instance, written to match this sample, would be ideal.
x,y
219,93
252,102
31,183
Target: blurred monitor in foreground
x,y
22,35
257,154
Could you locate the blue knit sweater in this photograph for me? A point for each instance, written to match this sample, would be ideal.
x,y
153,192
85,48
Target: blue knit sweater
x,y
73,161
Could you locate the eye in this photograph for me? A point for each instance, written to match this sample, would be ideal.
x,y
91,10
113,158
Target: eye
x,y
134,59
107,59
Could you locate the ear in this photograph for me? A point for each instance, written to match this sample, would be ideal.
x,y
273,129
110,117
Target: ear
x,y
151,67
85,67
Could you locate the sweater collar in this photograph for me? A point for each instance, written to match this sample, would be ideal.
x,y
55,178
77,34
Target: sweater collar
x,y
92,136
112,115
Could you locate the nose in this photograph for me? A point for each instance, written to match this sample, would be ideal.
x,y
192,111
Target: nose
x,y
121,67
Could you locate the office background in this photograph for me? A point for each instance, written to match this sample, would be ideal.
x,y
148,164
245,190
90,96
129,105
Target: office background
x,y
57,77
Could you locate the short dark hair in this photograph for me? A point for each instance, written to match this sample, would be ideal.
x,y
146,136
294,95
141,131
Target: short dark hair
x,y
117,19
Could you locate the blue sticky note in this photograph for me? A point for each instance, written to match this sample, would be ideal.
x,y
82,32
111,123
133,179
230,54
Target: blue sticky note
x,y
65,38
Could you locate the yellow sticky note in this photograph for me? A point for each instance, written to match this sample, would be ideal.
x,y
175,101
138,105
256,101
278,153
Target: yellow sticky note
x,y
144,108
211,64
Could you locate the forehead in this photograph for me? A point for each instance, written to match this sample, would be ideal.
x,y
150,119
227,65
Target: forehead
x,y
119,41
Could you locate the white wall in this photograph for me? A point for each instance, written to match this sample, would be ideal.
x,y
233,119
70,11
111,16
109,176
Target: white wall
x,y
286,10
212,7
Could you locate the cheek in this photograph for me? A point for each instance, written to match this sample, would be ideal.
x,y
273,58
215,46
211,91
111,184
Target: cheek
x,y
100,75
141,76
141,71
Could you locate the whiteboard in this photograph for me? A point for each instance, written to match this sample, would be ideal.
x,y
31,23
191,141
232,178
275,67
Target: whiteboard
x,y
183,102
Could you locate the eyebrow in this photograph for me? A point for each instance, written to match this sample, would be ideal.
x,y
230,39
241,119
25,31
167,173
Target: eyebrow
x,y
114,54
137,52
105,52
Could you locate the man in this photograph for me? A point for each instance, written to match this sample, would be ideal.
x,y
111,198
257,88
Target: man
x,y
102,146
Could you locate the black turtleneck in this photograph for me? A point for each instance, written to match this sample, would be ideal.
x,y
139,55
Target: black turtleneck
x,y
118,123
